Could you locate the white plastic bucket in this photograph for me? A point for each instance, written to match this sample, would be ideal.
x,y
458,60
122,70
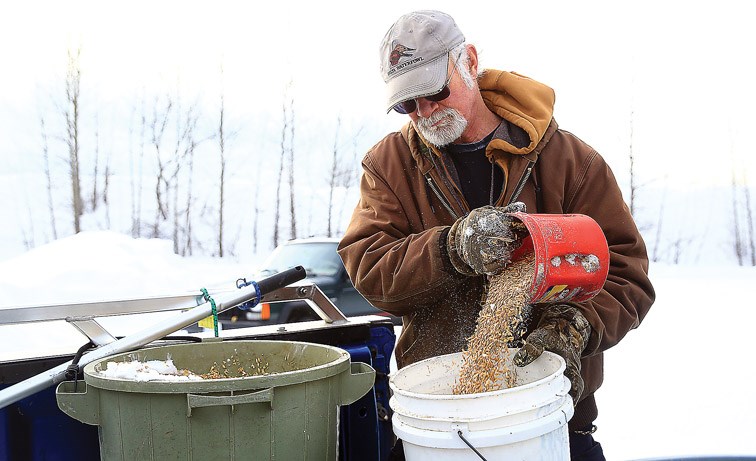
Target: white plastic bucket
x,y
526,422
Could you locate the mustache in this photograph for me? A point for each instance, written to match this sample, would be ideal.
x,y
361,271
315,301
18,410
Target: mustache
x,y
428,122
441,128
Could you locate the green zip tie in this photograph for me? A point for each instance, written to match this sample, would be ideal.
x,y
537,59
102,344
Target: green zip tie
x,y
209,298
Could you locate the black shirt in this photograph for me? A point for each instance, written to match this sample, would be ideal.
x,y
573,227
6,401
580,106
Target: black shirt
x,y
474,172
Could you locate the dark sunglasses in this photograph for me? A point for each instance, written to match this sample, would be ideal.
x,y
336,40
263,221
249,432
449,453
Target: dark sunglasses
x,y
410,105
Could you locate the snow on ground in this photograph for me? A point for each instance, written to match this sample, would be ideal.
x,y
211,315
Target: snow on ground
x,y
100,266
97,265
682,384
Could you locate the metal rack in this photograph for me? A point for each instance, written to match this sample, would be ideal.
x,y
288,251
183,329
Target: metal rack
x,y
83,317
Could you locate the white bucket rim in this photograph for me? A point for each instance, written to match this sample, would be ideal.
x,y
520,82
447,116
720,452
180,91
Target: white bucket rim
x,y
532,405
425,396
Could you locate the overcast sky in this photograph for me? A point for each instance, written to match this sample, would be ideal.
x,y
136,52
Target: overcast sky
x,y
682,69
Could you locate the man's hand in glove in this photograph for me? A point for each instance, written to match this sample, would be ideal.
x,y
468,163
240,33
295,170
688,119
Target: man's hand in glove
x,y
482,242
562,330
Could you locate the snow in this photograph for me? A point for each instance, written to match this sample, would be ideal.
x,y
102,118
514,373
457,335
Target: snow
x,y
99,266
682,384
96,265
151,370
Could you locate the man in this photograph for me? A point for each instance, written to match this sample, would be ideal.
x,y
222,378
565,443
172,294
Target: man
x,y
432,219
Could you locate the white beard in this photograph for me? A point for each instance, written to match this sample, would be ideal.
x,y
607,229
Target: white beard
x,y
446,132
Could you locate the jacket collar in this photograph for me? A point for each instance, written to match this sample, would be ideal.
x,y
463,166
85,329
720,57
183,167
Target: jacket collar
x,y
521,101
526,104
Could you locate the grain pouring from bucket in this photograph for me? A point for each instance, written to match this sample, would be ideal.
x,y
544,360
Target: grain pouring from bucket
x,y
485,362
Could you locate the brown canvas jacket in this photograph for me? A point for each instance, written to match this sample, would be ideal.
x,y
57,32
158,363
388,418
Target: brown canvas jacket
x,y
394,247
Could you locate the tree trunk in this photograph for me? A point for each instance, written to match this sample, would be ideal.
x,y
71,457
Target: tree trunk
x,y
222,185
738,243
332,177
633,183
279,181
292,208
48,179
256,212
95,198
73,86
749,220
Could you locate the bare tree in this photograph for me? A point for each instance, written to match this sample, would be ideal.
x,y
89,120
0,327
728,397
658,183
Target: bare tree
x,y
749,220
171,163
343,174
101,160
751,238
136,166
73,87
222,185
106,189
188,228
333,176
223,138
631,154
277,213
95,197
48,179
279,181
292,208
256,212
350,176
28,239
183,155
657,241
738,239
677,247
157,126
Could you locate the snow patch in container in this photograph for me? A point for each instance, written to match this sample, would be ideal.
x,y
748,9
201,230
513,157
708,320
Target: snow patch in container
x,y
151,370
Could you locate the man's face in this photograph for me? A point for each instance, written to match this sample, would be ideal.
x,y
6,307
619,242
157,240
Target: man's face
x,y
443,122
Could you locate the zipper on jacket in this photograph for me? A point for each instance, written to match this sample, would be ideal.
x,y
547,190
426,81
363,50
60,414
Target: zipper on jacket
x,y
440,196
521,184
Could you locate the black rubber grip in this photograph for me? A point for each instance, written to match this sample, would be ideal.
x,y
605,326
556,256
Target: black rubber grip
x,y
281,279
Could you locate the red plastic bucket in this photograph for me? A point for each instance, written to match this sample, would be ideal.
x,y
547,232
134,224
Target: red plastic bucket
x,y
571,256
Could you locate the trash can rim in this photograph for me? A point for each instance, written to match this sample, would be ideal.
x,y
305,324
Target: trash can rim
x,y
338,362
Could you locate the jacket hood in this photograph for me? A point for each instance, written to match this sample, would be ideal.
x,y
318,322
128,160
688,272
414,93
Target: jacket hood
x,y
520,100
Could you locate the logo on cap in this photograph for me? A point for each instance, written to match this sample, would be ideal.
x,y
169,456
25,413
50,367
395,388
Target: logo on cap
x,y
399,51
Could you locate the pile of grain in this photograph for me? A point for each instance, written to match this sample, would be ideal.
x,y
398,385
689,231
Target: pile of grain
x,y
233,368
484,362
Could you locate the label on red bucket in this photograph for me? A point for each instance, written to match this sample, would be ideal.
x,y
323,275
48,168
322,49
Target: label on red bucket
x,y
558,293
552,293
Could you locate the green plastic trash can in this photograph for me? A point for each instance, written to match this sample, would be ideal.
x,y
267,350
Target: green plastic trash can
x,y
288,413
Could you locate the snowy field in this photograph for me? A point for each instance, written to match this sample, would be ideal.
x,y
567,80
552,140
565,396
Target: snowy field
x,y
683,384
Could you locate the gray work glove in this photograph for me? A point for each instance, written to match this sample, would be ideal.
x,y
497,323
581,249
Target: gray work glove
x,y
482,242
564,331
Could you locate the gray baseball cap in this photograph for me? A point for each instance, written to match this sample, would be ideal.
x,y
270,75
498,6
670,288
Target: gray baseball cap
x,y
415,55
